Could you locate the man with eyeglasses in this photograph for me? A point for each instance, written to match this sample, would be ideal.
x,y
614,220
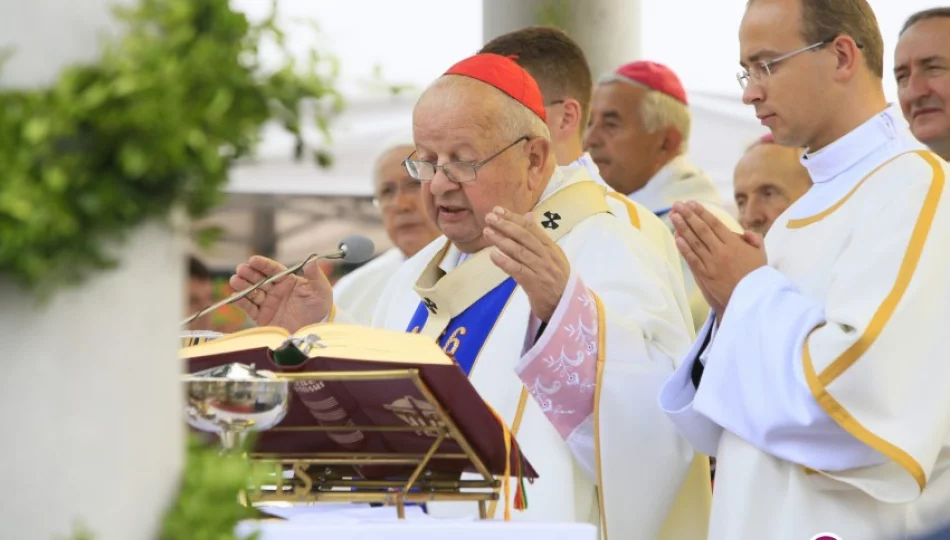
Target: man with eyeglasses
x,y
398,197
557,310
820,383
638,135
922,70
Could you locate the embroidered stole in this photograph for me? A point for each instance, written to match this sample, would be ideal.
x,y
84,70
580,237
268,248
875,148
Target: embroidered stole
x,y
460,309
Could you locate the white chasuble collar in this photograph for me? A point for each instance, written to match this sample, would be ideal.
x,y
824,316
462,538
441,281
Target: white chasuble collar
x,y
839,156
587,163
678,180
449,285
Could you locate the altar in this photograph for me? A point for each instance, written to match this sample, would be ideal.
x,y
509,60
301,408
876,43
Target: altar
x,y
360,522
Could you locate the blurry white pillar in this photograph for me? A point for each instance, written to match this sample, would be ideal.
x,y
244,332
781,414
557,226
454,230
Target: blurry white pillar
x,y
607,30
91,418
45,35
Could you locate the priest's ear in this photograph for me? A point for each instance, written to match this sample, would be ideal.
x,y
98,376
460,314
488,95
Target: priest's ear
x,y
539,151
847,57
671,143
568,119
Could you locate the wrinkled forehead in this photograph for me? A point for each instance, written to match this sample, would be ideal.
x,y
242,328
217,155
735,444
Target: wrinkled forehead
x,y
457,110
925,39
620,97
770,163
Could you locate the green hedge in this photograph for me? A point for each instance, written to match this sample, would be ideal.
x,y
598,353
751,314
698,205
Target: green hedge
x,y
152,126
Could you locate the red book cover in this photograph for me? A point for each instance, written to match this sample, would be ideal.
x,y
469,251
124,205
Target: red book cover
x,y
392,402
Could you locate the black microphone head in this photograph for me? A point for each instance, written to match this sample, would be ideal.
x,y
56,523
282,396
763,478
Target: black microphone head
x,y
357,249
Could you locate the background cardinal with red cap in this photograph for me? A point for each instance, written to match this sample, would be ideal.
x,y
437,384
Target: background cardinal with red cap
x,y
638,136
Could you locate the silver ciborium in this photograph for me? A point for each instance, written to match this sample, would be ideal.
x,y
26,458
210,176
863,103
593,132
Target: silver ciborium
x,y
234,399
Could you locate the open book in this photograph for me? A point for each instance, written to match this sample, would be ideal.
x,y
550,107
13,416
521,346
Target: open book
x,y
391,402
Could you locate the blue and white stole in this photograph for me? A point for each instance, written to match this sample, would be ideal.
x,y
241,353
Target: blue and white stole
x,y
460,308
467,332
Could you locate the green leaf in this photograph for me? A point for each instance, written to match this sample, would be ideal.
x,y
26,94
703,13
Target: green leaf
x,y
219,106
134,161
208,236
36,130
55,179
81,532
19,209
94,96
323,159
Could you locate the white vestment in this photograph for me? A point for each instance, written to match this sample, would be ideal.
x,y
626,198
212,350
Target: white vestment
x,y
358,292
681,181
641,218
824,393
649,483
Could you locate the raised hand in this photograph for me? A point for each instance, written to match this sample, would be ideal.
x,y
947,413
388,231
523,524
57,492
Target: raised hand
x,y
526,253
290,302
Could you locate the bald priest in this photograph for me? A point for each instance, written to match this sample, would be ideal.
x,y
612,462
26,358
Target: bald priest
x,y
563,315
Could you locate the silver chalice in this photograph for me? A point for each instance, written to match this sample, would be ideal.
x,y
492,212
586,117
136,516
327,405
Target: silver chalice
x,y
233,400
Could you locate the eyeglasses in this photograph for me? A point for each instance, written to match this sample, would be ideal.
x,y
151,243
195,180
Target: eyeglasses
x,y
758,71
390,191
459,172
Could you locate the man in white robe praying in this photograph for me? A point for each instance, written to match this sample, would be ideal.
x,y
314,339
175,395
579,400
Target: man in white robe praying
x,y
558,310
820,383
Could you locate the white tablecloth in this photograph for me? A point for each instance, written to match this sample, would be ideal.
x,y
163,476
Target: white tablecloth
x,y
333,522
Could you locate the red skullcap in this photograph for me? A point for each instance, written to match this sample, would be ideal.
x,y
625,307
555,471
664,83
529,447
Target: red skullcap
x,y
655,77
504,74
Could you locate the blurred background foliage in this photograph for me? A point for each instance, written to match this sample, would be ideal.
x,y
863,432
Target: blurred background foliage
x,y
149,129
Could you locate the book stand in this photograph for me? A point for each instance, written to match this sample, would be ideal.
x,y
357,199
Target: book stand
x,y
333,476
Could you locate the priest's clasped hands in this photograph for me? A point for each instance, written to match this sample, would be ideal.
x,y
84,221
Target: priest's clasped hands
x,y
525,252
717,257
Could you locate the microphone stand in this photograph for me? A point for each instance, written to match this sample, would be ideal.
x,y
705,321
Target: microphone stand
x,y
239,295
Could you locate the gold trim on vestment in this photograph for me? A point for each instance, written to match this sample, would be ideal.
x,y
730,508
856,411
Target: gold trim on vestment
x,y
631,208
598,383
909,264
804,222
818,383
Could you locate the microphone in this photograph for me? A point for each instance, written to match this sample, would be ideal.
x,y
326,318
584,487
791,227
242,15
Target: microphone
x,y
353,249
